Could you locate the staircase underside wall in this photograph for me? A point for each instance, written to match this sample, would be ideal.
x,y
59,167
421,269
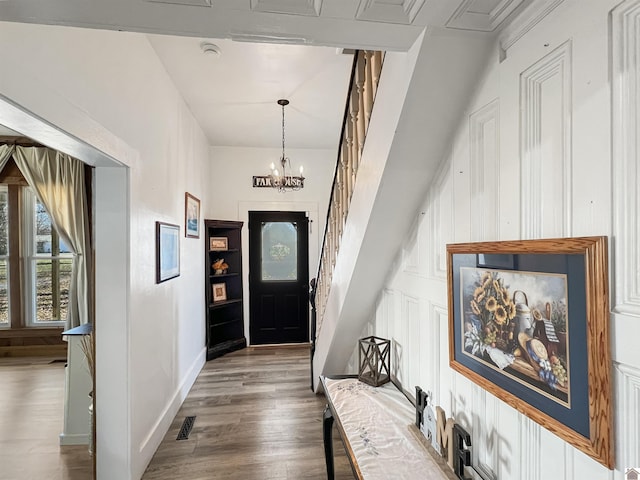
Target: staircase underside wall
x,y
421,97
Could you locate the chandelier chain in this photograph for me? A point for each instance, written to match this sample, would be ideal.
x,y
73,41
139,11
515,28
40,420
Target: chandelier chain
x,y
285,180
283,157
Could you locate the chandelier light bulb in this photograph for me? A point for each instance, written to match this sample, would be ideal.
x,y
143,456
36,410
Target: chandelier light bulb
x,y
301,169
273,167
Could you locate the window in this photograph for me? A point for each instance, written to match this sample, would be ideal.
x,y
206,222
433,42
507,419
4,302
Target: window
x,y
4,257
49,264
279,251
35,264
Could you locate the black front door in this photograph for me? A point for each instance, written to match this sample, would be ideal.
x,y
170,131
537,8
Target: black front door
x,y
278,277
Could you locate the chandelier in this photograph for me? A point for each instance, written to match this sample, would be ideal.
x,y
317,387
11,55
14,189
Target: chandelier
x,y
281,176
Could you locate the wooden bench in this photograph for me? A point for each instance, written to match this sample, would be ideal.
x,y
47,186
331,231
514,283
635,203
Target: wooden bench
x,y
377,427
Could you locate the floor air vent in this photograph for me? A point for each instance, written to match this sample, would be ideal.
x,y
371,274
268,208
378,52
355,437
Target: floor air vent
x,y
185,430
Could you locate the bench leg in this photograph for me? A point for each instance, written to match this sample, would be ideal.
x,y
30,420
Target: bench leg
x,y
327,431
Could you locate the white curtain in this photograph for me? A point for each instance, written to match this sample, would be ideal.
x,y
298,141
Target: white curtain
x,y
58,180
5,154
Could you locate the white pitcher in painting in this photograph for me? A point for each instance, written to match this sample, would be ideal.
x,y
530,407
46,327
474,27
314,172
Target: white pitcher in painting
x,y
523,315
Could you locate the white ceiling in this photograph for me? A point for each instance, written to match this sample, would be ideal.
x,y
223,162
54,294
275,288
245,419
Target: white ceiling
x,y
270,49
233,96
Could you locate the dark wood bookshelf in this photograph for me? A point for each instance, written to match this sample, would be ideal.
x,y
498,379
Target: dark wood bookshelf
x,y
224,318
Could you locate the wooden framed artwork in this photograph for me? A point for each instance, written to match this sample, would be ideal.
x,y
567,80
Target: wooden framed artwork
x,y
529,322
219,292
219,243
191,216
167,251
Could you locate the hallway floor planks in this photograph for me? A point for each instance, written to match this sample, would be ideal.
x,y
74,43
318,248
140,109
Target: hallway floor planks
x,y
256,418
31,421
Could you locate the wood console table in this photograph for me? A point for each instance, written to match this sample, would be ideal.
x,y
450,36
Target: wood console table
x,y
377,428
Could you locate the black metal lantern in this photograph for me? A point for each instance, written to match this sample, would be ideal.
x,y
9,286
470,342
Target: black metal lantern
x,y
374,356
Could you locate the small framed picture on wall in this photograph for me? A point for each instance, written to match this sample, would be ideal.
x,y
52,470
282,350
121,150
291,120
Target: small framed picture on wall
x,y
191,216
167,251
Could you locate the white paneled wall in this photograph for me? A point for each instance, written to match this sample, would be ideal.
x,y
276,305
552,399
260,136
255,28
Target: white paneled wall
x,y
441,210
545,145
626,192
628,393
548,148
484,151
626,240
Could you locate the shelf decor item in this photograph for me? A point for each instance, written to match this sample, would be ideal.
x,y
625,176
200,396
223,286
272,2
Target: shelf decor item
x,y
219,267
191,216
167,251
219,292
374,355
529,322
219,243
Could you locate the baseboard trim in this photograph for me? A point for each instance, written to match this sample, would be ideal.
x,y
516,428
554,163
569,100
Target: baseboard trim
x,y
74,439
52,350
150,443
279,345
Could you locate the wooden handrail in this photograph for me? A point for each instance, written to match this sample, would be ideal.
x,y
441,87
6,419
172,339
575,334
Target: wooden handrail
x,y
365,74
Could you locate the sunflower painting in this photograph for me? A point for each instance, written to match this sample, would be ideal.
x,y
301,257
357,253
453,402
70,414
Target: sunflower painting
x,y
529,323
515,323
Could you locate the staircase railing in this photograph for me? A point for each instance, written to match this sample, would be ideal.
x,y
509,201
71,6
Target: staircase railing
x,y
365,75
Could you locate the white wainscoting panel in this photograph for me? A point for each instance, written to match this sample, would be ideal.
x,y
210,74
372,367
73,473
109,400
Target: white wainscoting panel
x,y
586,467
411,249
442,220
545,143
380,322
626,174
530,452
411,368
484,151
429,348
507,436
441,373
461,406
569,462
484,434
627,431
397,334
388,311
552,453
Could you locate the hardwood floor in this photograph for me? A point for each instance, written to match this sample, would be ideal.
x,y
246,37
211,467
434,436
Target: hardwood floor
x,y
31,417
256,418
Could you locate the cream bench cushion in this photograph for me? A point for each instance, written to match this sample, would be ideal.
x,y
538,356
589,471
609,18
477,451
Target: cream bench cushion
x,y
375,426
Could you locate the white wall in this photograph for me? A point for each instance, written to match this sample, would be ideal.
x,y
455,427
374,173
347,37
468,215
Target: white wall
x,y
492,187
108,89
232,170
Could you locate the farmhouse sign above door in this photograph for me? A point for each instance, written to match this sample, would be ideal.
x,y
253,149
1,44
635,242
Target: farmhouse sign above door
x,y
266,181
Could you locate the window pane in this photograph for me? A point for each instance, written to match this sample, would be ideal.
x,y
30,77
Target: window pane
x,y
279,251
4,251
4,230
47,240
52,289
4,294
